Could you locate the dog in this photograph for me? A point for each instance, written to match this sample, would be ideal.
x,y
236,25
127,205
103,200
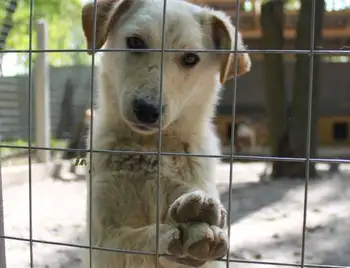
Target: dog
x,y
123,201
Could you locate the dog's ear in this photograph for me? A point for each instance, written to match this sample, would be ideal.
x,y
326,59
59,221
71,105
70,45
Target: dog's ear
x,y
224,38
107,14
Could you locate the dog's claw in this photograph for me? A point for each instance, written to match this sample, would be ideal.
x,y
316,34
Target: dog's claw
x,y
200,243
187,261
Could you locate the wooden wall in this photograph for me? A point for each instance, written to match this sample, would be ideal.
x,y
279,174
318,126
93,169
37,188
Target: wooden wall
x,y
325,129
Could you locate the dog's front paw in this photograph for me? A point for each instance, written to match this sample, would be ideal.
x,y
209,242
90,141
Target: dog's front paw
x,y
197,244
173,242
198,207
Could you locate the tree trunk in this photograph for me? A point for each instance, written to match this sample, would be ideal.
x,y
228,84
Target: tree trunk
x,y
300,99
272,24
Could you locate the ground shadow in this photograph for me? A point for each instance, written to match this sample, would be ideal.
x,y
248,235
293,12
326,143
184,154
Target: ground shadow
x,y
280,240
249,197
246,198
328,245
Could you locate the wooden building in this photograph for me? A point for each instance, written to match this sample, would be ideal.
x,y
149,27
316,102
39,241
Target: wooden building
x,y
336,32
334,107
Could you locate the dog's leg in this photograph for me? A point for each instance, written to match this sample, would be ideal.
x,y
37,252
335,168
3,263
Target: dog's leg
x,y
186,245
126,239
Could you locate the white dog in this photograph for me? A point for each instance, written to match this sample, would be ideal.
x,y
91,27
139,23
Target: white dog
x,y
192,228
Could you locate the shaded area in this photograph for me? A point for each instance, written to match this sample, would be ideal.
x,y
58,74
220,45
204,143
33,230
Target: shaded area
x,y
323,246
266,221
248,198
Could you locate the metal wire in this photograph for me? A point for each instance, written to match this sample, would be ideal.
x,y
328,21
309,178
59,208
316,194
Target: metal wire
x,y
256,158
30,94
232,141
160,133
40,241
342,51
231,260
308,135
159,153
91,126
2,221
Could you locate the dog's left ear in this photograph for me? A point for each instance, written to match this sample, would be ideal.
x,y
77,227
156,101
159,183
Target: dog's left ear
x,y
224,38
108,12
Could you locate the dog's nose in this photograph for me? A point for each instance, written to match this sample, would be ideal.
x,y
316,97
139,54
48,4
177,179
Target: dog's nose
x,y
147,113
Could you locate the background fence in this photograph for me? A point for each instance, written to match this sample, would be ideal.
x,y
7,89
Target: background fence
x,y
69,97
70,86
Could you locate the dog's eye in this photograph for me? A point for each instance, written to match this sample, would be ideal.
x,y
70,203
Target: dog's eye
x,y
189,59
135,42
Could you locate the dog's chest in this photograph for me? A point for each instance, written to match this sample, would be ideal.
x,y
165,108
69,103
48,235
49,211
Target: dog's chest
x,y
147,166
133,165
137,175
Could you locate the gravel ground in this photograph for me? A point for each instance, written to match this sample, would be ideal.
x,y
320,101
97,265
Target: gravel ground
x,y
266,221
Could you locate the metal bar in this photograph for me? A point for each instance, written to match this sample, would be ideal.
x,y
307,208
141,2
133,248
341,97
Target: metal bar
x,y
232,141
30,112
158,213
344,51
37,241
256,158
308,134
91,125
2,228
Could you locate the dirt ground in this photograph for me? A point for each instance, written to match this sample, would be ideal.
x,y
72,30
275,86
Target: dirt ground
x,y
266,219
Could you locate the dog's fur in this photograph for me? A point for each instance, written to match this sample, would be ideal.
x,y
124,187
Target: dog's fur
x,y
124,186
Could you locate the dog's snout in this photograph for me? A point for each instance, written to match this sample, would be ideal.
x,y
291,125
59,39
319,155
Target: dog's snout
x,y
146,112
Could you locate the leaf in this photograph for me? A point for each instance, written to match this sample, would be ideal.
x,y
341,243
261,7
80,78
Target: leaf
x,y
64,30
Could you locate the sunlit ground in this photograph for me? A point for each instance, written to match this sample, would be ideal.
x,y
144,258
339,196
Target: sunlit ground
x,y
266,218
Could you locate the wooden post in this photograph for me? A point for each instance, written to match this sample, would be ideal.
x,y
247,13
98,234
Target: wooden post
x,y
272,24
42,93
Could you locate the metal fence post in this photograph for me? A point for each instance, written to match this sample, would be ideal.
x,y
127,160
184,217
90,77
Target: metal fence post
x,y
42,93
2,232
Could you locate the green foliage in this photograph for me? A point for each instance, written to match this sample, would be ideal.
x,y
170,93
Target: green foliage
x,y
64,29
54,143
336,59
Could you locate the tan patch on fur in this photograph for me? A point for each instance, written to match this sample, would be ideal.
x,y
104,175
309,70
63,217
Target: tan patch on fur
x,y
105,20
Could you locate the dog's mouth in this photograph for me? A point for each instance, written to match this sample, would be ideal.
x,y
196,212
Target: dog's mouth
x,y
145,128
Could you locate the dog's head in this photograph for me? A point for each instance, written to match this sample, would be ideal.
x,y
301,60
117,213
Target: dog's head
x,y
133,78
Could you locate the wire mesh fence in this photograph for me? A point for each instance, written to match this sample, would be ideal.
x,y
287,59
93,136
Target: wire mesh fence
x,y
231,156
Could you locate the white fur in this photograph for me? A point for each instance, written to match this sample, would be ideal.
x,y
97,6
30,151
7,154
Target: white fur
x,y
124,186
